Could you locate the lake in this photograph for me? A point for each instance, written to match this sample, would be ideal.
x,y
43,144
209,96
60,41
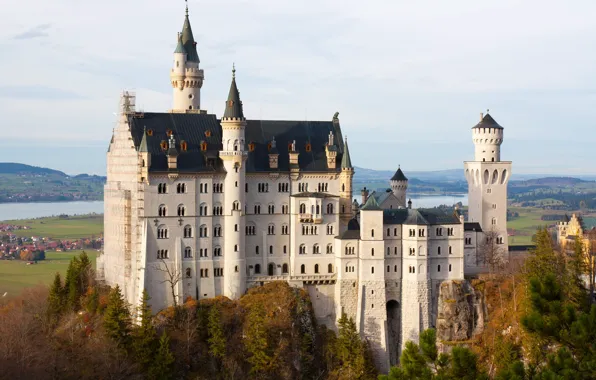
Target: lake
x,y
12,211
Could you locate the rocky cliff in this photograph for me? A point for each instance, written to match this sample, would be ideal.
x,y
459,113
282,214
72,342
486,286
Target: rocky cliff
x,y
461,311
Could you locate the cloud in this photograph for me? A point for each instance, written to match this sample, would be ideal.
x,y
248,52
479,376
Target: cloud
x,y
35,32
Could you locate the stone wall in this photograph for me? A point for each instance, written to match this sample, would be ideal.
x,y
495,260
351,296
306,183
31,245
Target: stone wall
x,y
416,298
372,320
323,302
347,297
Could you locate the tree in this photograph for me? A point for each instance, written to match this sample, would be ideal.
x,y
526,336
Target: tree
x,y
161,369
351,351
425,363
56,299
490,252
26,255
217,340
117,319
144,335
71,284
256,342
172,277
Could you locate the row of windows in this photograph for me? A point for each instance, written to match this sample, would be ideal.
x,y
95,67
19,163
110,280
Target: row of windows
x,y
310,230
181,188
316,269
315,210
323,187
439,231
315,249
412,269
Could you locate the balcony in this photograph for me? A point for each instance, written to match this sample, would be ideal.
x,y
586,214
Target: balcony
x,y
311,218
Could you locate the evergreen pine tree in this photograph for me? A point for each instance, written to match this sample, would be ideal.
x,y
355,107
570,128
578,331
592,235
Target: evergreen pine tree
x,y
144,336
56,298
217,340
350,349
72,286
256,342
161,368
84,272
117,318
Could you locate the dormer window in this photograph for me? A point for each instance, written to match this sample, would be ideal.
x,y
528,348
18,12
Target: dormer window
x,y
308,147
163,145
203,146
208,133
183,145
169,132
251,147
149,132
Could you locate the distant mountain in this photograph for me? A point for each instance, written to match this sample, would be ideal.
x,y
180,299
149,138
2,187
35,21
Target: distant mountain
x,y
364,175
25,183
14,168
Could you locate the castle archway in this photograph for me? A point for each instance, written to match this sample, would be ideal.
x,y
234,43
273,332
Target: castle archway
x,y
393,329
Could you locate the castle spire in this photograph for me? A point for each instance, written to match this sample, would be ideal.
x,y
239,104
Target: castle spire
x,y
143,144
188,40
346,162
233,104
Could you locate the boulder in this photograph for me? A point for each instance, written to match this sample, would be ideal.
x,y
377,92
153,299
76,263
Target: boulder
x,y
461,311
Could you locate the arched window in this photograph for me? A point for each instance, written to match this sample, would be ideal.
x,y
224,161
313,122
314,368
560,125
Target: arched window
x,y
236,206
162,210
284,268
330,208
315,249
187,253
162,254
203,231
257,269
449,267
330,248
187,231
330,268
162,232
302,249
270,249
271,229
271,269
317,268
302,208
188,273
302,269
181,210
372,233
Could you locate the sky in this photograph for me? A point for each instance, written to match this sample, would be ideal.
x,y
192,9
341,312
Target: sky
x,y
408,78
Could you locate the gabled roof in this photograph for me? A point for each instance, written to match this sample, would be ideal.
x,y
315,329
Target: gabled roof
x,y
371,205
381,197
143,144
346,162
233,104
487,122
188,40
399,175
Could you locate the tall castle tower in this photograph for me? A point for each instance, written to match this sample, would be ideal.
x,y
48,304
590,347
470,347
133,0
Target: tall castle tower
x,y
487,178
234,156
399,186
186,77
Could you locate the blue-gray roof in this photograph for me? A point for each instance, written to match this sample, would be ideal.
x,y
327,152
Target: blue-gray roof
x,y
195,128
371,205
346,162
233,104
188,41
419,217
487,122
399,176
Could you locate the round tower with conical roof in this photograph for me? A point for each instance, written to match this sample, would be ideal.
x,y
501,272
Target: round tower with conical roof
x,y
399,186
234,155
345,179
186,77
487,178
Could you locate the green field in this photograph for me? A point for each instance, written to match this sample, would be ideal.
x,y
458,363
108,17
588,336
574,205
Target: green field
x,y
528,223
73,227
15,275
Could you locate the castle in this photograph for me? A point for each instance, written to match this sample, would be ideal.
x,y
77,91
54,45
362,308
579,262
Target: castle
x,y
200,206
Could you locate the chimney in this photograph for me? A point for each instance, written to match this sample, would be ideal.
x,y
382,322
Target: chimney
x,y
364,194
172,154
410,203
481,116
273,154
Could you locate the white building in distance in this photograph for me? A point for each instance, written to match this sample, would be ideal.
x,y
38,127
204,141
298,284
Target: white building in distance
x,y
223,204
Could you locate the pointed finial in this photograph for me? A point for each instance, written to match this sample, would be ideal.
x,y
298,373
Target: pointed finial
x,y
398,166
487,110
233,70
186,7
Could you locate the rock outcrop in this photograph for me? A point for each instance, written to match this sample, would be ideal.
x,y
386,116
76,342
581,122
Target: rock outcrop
x,y
461,311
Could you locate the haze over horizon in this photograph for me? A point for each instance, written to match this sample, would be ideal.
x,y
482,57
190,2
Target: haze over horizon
x,y
409,79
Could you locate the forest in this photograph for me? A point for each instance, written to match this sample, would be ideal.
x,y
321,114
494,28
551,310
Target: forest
x,y
542,325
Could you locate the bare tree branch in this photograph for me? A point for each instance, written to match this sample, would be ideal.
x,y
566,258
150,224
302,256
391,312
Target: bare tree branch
x,y
173,277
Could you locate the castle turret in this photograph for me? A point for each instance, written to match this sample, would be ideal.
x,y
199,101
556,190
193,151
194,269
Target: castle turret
x,y
399,186
234,156
487,178
345,194
185,76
